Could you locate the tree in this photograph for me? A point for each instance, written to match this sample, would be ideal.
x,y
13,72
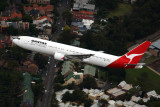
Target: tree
x,y
40,60
89,82
102,103
27,18
67,16
66,28
33,30
88,102
66,97
13,64
66,37
3,5
12,31
10,82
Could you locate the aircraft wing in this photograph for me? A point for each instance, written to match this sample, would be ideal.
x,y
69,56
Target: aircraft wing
x,y
78,57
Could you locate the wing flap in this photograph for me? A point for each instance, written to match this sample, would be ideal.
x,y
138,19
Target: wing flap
x,y
78,57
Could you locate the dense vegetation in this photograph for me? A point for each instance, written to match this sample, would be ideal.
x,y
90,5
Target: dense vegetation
x,y
10,82
112,36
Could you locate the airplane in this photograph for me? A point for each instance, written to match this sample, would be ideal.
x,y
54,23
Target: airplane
x,y
99,58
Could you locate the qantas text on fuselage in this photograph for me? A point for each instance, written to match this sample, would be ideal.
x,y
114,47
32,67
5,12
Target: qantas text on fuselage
x,y
67,52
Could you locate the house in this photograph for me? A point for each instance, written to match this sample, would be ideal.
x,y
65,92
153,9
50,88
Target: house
x,y
44,24
83,6
81,1
151,93
124,86
14,15
39,1
39,10
154,48
3,26
89,70
135,99
75,77
83,15
105,97
94,94
116,93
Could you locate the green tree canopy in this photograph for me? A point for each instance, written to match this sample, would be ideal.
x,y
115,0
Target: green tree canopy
x,y
40,60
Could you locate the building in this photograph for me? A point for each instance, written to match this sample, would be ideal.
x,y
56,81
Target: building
x,y
151,93
124,86
39,10
89,70
154,48
44,24
94,94
83,15
70,75
83,6
39,1
116,93
28,96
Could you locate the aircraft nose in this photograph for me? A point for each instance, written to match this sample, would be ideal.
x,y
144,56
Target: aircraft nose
x,y
15,41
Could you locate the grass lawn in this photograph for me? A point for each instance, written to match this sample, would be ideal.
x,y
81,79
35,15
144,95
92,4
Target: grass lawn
x,y
150,82
122,9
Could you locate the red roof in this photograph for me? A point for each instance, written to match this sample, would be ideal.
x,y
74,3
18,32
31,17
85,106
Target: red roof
x,y
5,18
45,17
28,8
49,7
13,15
35,5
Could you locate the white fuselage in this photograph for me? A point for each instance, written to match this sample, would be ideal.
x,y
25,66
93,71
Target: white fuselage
x,y
50,48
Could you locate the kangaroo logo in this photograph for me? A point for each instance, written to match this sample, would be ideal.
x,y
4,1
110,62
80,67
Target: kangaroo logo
x,y
131,56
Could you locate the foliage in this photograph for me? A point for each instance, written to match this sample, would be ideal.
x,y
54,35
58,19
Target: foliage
x,y
123,9
13,64
77,96
12,31
40,60
54,101
66,28
17,53
59,79
89,82
33,30
66,37
37,90
10,82
149,79
67,15
88,103
54,28
107,4
102,103
57,87
3,5
27,18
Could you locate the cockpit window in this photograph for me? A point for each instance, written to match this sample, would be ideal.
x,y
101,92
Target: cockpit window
x,y
18,38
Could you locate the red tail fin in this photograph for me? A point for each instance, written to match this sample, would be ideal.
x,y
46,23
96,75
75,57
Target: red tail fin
x,y
136,54
130,59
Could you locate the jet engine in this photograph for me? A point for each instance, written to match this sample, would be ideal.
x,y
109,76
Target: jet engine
x,y
59,56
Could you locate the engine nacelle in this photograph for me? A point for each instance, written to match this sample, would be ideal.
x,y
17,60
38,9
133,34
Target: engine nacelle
x,y
59,56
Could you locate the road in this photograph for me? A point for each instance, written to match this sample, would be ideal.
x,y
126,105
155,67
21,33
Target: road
x,y
49,74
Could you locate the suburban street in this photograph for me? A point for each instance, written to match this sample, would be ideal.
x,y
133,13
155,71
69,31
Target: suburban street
x,y
49,74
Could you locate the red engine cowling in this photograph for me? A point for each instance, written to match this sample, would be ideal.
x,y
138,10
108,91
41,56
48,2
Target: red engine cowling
x,y
59,56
